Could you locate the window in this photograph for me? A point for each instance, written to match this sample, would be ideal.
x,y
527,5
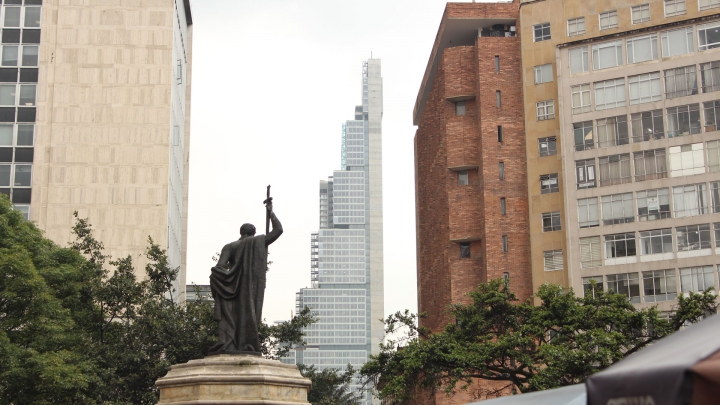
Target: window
x,y
501,169
498,99
592,285
677,42
553,260
712,115
506,277
690,200
713,156
503,206
12,17
578,59
693,237
549,183
619,245
576,26
708,4
645,88
697,279
10,55
674,7
464,250
462,176
581,99
178,74
608,20
583,134
607,55
680,82
686,160
715,197
640,14
609,94
617,209
543,73
615,169
23,209
647,125
504,243
650,164
612,131
500,133
641,49
590,252
23,176
588,212
683,120
656,242
653,204
708,36
545,110
585,173
625,284
460,108
547,146
716,226
21,95
551,221
17,135
710,76
542,32
659,285
497,63
5,175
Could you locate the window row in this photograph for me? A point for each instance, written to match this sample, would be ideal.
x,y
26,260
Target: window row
x,y
657,285
657,244
687,201
17,16
17,175
682,160
643,48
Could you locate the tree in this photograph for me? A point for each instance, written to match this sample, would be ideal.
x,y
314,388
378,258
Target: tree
x,y
523,347
74,330
330,386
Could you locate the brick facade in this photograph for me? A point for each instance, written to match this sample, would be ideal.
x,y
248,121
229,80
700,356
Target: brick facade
x,y
447,213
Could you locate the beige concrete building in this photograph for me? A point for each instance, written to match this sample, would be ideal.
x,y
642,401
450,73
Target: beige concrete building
x,y
95,111
622,113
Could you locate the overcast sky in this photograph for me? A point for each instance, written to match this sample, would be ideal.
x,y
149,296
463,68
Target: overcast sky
x,y
272,83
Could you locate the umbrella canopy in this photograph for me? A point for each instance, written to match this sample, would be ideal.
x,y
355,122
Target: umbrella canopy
x,y
676,370
570,395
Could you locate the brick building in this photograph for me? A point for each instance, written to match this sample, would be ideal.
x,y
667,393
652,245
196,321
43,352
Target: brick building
x,y
470,164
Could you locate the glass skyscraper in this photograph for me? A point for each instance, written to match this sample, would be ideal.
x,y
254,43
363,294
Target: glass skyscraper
x,y
346,293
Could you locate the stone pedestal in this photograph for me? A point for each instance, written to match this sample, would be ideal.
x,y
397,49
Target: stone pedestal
x,y
230,379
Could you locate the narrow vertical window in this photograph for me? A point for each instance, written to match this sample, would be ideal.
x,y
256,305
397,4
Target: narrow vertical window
x,y
497,98
179,71
176,135
500,133
464,250
503,210
504,243
506,278
502,170
497,63
460,108
462,178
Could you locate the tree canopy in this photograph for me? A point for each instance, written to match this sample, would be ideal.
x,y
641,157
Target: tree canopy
x,y
521,346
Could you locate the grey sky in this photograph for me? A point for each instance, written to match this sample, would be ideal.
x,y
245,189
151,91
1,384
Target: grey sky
x,y
273,81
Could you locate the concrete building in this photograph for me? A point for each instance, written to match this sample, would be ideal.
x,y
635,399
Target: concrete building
x,y
622,103
347,293
94,118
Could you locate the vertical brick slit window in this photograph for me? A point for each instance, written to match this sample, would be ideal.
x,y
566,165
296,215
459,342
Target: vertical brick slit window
x,y
465,250
500,133
497,98
505,244
502,170
503,206
460,108
462,178
497,63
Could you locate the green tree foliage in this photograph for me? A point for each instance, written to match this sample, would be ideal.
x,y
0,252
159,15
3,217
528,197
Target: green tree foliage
x,y
330,386
74,330
519,345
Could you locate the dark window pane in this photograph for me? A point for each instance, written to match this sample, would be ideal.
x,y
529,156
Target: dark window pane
x,y
6,154
25,135
33,2
28,75
5,191
8,75
13,2
464,250
26,115
10,36
24,155
7,114
31,37
21,195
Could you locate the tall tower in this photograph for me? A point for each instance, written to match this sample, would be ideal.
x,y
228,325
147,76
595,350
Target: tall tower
x,y
95,118
347,251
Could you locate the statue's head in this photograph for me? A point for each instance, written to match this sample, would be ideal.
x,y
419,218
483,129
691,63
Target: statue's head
x,y
247,230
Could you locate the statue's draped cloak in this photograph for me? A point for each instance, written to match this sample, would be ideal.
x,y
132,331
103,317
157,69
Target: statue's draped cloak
x,y
239,294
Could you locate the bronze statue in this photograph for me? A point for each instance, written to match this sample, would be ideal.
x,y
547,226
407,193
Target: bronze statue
x,y
237,283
